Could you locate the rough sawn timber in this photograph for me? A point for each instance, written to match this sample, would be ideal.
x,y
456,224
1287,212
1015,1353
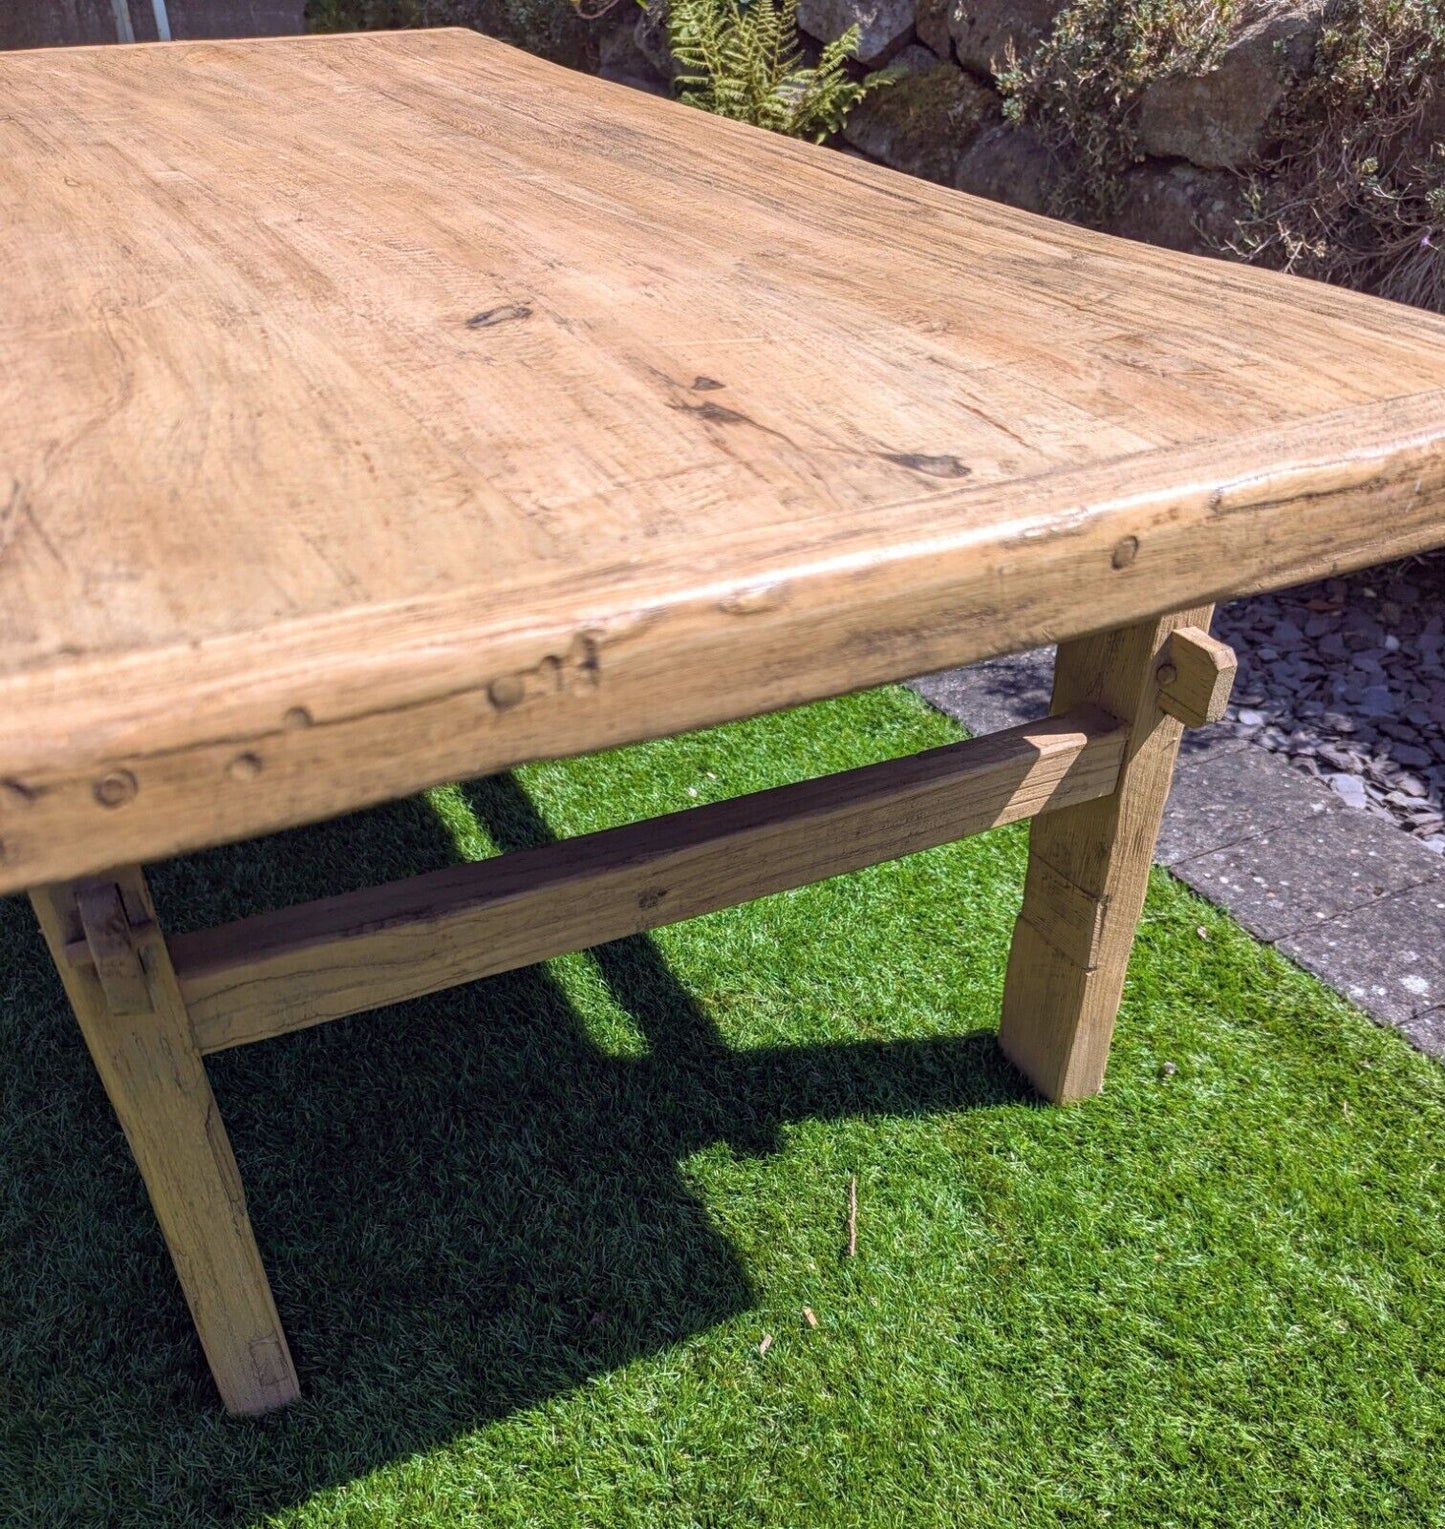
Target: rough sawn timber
x,y
1195,676
1089,867
379,410
281,971
145,1052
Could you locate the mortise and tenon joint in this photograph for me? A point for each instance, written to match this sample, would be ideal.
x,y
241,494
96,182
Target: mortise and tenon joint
x,y
111,940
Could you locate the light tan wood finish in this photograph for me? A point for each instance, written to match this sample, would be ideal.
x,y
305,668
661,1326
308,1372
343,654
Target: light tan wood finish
x,y
281,971
147,1058
379,409
1195,675
1089,869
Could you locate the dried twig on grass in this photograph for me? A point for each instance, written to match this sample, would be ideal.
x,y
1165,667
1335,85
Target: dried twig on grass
x,y
853,1216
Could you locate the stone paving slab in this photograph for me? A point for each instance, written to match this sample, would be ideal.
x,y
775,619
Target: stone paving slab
x,y
993,695
1351,898
1271,881
1426,1031
1200,743
1235,795
1403,979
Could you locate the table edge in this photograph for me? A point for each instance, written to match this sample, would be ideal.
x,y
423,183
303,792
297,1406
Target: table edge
x,y
249,733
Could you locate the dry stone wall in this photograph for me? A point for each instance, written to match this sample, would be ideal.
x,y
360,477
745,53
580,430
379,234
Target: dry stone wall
x,y
944,119
1194,133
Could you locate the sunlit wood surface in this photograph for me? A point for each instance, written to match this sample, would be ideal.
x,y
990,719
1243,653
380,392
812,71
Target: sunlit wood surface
x,y
380,409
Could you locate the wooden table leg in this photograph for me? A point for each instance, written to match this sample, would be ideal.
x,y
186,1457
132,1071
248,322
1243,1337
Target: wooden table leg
x,y
1089,869
117,972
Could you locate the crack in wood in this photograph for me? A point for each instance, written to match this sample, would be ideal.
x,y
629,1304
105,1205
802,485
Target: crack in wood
x,y
942,466
508,313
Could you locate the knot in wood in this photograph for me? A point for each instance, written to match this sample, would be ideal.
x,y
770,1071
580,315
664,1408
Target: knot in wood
x,y
16,794
508,313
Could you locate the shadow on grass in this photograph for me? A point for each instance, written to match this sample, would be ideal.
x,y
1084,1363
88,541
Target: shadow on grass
x,y
465,1204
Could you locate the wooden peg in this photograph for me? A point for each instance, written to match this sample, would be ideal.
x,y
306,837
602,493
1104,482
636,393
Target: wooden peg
x,y
1195,675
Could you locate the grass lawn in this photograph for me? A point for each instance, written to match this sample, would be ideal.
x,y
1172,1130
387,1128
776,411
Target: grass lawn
x,y
528,1236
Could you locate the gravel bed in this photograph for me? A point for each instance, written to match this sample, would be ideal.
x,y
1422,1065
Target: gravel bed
x,y
1347,679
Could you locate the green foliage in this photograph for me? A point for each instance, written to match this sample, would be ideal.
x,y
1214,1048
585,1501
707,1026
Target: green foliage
x,y
363,15
1353,189
745,61
1355,193
1079,90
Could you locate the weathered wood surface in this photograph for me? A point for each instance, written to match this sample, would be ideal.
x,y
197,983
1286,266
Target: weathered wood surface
x,y
282,971
1195,676
1089,867
380,409
145,1052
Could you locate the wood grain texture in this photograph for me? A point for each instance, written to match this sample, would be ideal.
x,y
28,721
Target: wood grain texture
x,y
380,409
148,1060
1195,676
111,946
1089,869
282,971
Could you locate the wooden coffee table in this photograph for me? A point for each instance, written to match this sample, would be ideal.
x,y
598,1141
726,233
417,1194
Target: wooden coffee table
x,y
382,410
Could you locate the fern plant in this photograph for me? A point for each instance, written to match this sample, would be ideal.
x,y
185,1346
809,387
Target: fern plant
x,y
745,61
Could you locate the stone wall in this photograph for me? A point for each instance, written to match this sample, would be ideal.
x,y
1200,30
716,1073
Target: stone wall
x,y
944,118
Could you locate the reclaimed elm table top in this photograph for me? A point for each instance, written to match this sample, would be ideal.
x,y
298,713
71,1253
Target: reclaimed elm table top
x,y
376,410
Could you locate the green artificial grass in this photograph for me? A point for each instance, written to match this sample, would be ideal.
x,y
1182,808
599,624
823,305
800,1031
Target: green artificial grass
x,y
527,1237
